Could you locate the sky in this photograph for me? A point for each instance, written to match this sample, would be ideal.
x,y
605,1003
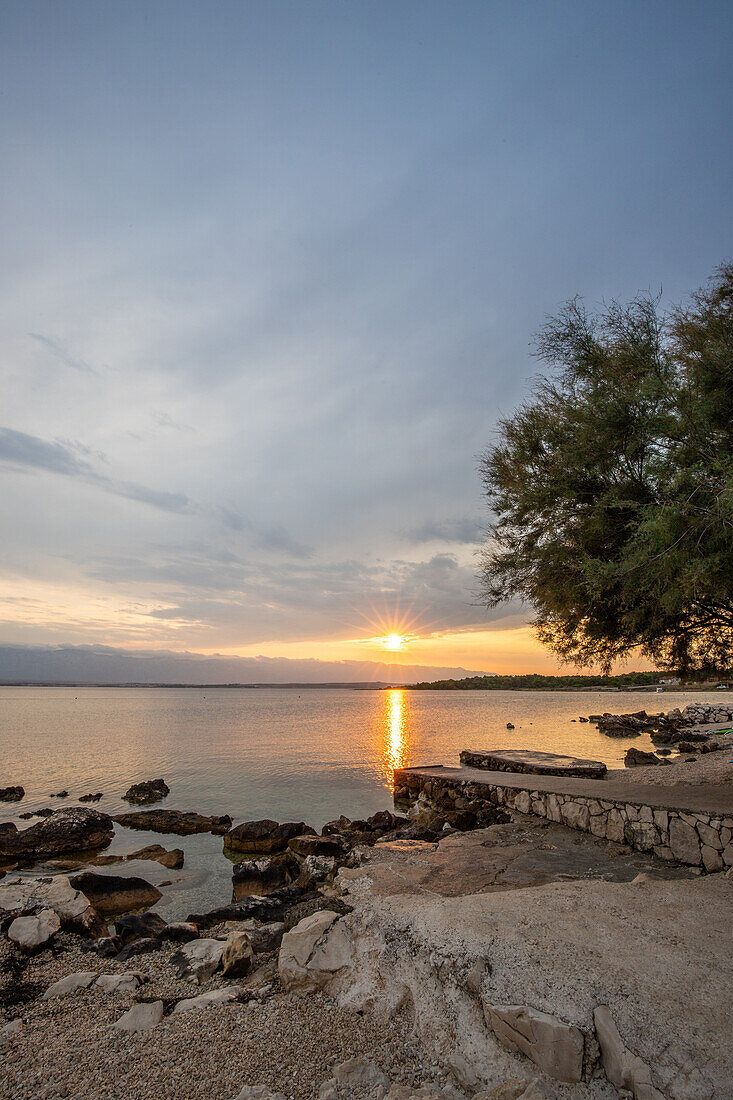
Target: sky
x,y
271,273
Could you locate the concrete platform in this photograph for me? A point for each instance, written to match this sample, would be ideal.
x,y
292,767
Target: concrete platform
x,y
529,762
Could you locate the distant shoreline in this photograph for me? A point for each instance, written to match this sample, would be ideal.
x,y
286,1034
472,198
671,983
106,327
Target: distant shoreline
x,y
378,686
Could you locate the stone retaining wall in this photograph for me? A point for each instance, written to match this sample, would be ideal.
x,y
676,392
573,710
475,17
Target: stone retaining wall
x,y
699,839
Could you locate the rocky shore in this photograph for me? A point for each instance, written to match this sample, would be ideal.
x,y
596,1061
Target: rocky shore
x,y
459,951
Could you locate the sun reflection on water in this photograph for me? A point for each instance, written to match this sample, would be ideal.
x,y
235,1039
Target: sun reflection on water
x,y
394,733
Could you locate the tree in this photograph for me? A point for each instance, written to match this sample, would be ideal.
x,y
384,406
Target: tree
x,y
611,489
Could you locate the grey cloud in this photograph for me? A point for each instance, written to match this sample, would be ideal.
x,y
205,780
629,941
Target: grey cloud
x,y
466,531
62,354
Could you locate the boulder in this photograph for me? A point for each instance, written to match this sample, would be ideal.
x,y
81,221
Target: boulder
x,y
172,859
70,984
237,958
638,758
198,960
91,797
144,946
179,822
316,869
134,925
314,952
73,829
141,1017
33,933
267,937
309,844
11,794
180,932
224,996
110,894
119,983
556,1047
259,876
623,1069
142,794
56,892
264,835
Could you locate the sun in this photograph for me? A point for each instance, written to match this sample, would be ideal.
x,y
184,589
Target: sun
x,y
394,641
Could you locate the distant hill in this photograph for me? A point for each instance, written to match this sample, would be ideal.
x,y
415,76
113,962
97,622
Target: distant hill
x,y
535,682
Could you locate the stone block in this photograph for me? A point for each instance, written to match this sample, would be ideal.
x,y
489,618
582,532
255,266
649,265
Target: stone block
x,y
576,815
554,1046
710,837
615,826
711,858
641,835
684,842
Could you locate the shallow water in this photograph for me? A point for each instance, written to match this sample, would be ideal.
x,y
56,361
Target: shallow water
x,y
287,754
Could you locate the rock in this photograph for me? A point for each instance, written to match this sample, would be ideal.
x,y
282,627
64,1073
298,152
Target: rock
x,y
70,984
110,894
12,1030
638,758
11,794
73,829
238,955
180,932
172,859
59,794
267,937
554,1046
623,1069
510,725
259,1092
152,790
532,762
538,1090
684,842
310,844
107,946
143,946
119,983
33,933
174,821
264,835
258,876
576,815
91,797
71,906
358,1073
206,1000
141,1017
316,869
314,951
134,925
405,1092
198,960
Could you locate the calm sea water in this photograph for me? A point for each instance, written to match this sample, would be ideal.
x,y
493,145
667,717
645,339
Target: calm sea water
x,y
291,755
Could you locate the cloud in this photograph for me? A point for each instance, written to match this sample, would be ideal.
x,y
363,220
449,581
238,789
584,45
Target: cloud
x,y
62,354
465,531
23,451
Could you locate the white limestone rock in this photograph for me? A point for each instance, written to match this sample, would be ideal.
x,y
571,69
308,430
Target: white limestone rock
x,y
32,933
70,984
206,1000
198,960
556,1047
313,952
623,1069
141,1017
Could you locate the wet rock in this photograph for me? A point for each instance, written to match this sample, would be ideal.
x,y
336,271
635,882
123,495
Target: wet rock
x,y
134,925
144,946
312,845
227,995
11,794
152,790
510,726
111,894
316,869
33,933
314,952
264,835
59,794
45,811
556,1047
72,983
172,859
141,1017
91,797
268,908
238,956
258,876
179,822
623,1069
73,829
638,758
198,960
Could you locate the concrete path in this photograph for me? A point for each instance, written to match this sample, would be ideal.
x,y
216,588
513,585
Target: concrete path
x,y
710,798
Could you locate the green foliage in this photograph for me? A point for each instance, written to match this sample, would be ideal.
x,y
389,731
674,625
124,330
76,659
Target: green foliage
x,y
611,490
536,682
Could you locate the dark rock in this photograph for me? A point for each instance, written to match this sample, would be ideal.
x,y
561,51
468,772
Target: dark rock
x,y
638,758
72,829
139,947
510,726
45,812
90,797
110,894
270,908
180,822
260,876
11,794
133,926
180,932
264,835
172,859
152,790
59,794
107,946
333,844
307,906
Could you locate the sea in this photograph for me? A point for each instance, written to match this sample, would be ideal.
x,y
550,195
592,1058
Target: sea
x,y
295,754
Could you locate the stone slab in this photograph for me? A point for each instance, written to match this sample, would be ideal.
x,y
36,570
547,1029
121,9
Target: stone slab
x,y
532,762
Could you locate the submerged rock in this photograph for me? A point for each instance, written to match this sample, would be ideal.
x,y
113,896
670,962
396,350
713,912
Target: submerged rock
x,y
11,794
110,894
152,790
91,797
182,823
72,829
172,859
